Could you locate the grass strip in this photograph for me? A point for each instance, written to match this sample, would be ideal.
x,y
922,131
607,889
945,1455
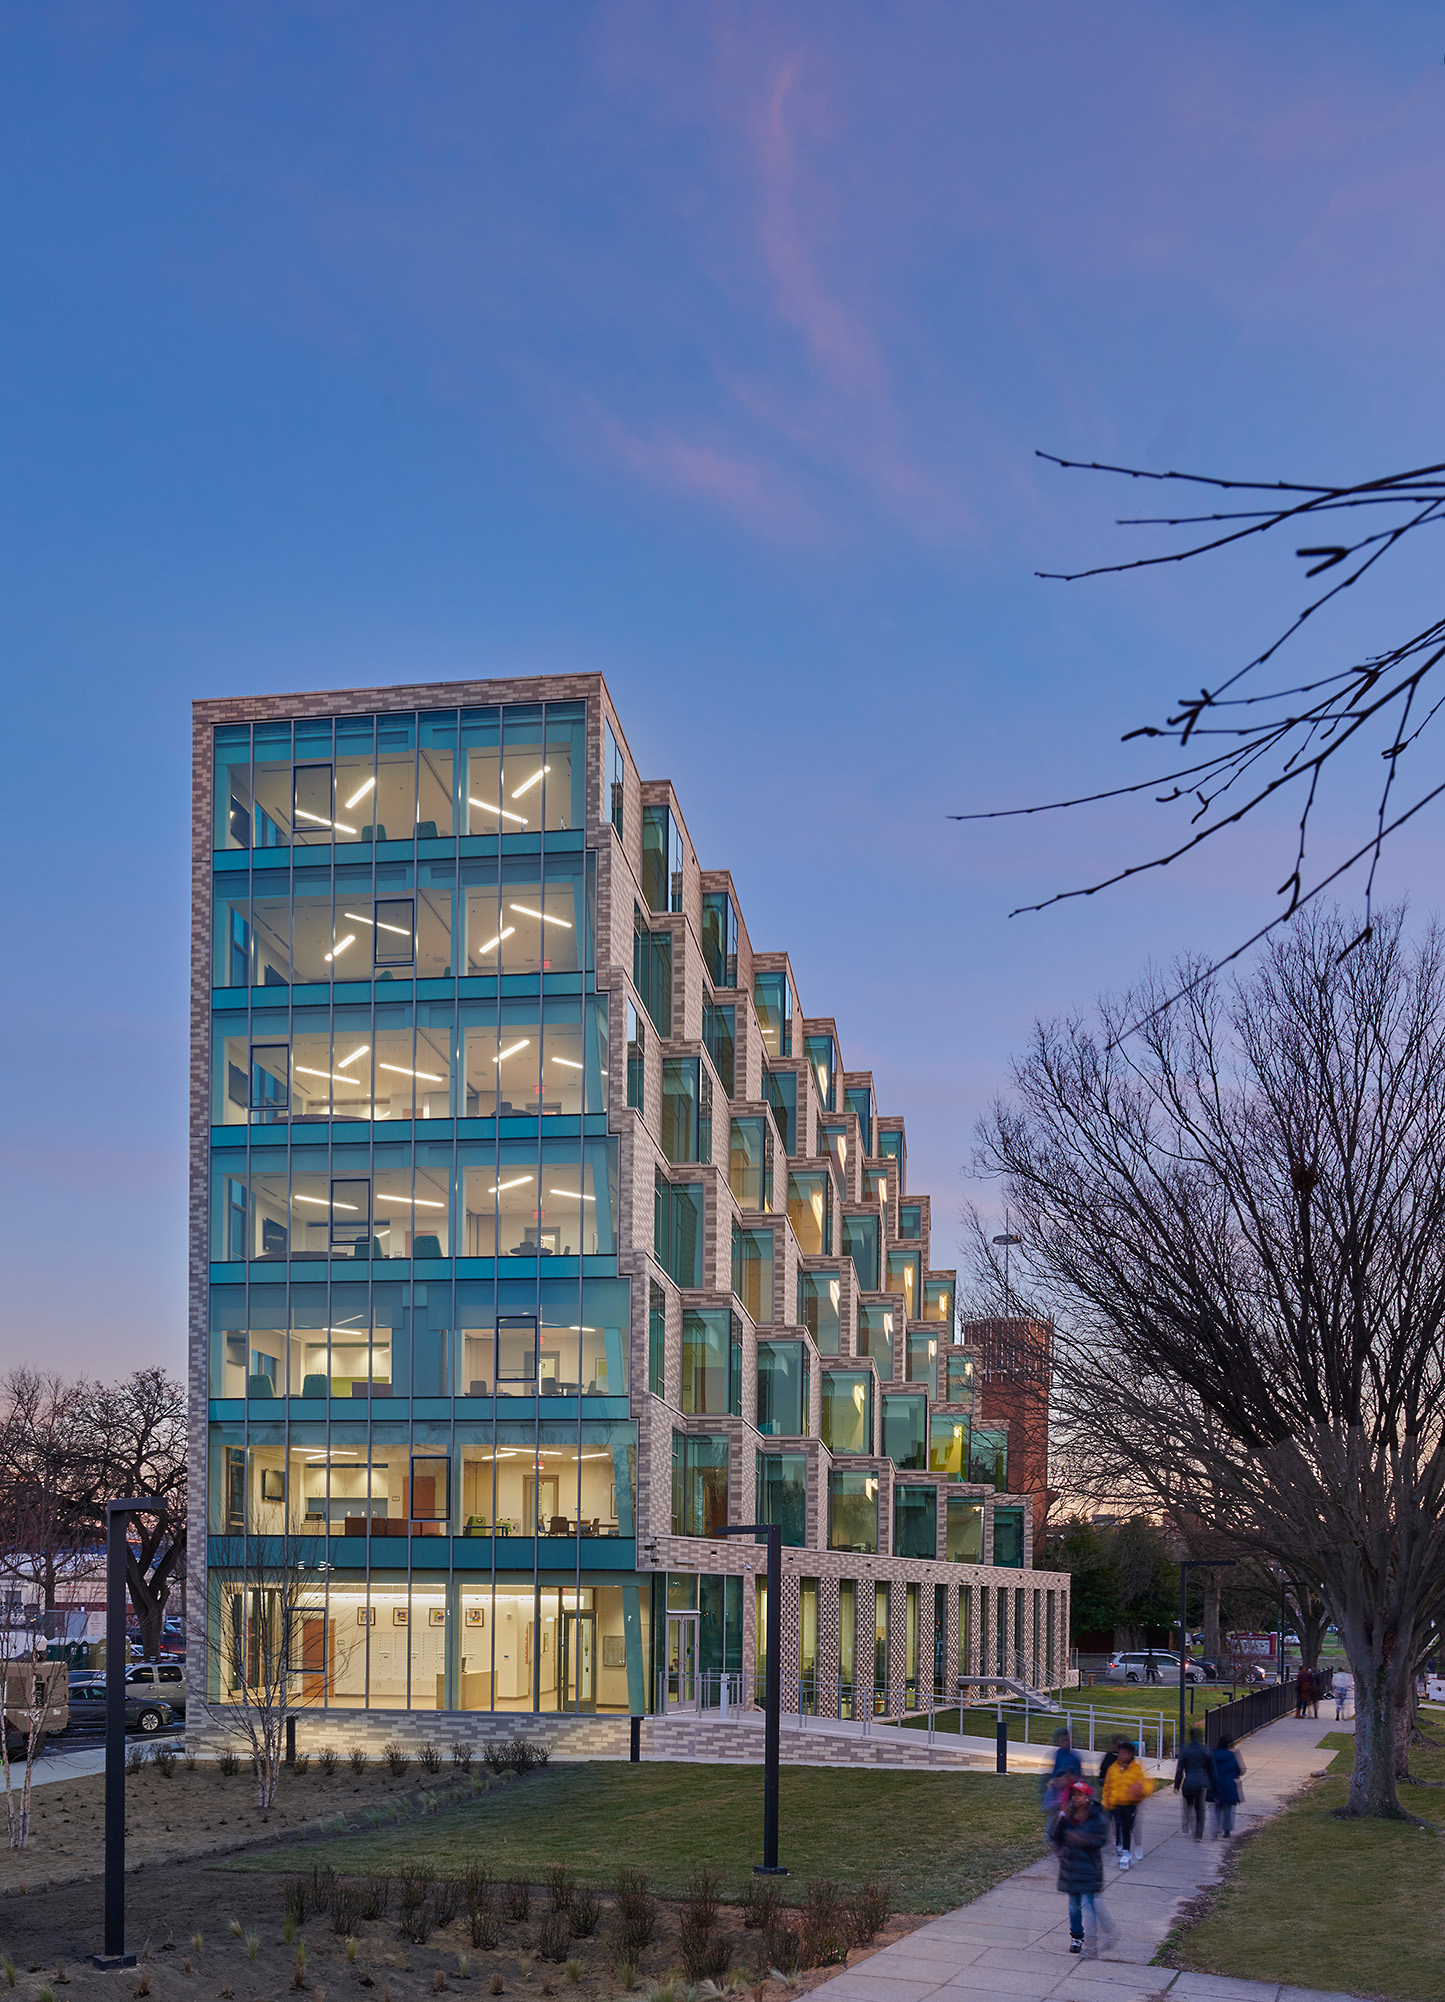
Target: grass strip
x,y
941,1838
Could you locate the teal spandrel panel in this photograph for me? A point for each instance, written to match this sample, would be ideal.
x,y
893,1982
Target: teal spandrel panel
x,y
226,861
228,998
228,1275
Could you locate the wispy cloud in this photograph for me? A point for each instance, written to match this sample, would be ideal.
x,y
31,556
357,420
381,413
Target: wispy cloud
x,y
754,493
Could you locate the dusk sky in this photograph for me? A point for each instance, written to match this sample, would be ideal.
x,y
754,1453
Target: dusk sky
x,y
708,348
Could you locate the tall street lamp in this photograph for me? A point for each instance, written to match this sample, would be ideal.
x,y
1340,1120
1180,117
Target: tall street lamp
x,y
1008,1239
117,1516
773,1690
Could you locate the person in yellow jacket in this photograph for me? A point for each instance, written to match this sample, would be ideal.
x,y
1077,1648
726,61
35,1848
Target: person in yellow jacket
x,y
1126,1785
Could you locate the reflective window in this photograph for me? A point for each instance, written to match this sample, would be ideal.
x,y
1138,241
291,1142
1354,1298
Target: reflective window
x,y
818,1297
860,1243
635,1058
699,1484
852,1510
890,1146
859,1100
750,1163
652,972
719,1040
711,1362
938,1301
821,1061
677,1230
963,1531
232,786
988,1458
531,919
656,1339
948,1445
752,1273
783,1494
905,1430
910,1220
661,859
686,1109
518,1207
720,938
810,1212
783,1098
915,1521
923,1361
782,1389
1008,1537
774,1006
613,776
875,1337
847,1411
960,1376
436,775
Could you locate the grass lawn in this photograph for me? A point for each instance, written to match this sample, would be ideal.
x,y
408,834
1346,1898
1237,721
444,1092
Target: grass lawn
x,y
1117,1709
1335,1904
942,1838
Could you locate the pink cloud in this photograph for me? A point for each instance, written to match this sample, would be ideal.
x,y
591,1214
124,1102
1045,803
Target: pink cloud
x,y
753,493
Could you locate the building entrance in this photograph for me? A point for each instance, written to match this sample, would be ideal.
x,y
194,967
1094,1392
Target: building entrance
x,y
680,1680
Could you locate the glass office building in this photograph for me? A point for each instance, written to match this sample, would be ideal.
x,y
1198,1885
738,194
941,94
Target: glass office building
x,y
537,1235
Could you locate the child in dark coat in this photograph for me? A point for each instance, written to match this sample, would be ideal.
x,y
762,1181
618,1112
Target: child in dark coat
x,y
1079,1836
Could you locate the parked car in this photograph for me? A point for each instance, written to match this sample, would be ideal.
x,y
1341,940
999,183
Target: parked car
x,y
166,1678
1134,1667
142,1712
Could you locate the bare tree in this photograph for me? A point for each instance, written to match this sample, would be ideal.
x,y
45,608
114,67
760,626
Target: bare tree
x,y
48,1525
30,1686
1252,742
1239,1216
271,1647
135,1444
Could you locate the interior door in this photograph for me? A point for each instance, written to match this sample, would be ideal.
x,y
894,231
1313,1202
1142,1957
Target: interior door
x,y
315,1657
579,1641
681,1670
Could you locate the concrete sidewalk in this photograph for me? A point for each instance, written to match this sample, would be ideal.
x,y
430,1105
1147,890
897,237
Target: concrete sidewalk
x,y
1013,1942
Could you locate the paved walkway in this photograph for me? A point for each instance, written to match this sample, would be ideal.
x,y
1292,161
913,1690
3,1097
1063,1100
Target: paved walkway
x,y
1013,1942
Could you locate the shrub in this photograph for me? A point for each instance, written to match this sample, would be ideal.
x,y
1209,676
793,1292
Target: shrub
x,y
559,1886
295,1899
327,1760
827,1925
870,1908
479,1894
135,1758
357,1757
519,1899
346,1902
584,1912
761,1897
782,1945
229,1764
634,1917
554,1936
430,1757
301,1764
413,1904
701,1941
445,1897
461,1755
397,1757
164,1760
189,1758
375,1898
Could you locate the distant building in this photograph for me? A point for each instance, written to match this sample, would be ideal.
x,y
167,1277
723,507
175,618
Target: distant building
x,y
1015,1370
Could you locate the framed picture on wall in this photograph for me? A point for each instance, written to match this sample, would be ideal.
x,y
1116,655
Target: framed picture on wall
x,y
476,1616
398,1616
614,1651
366,1616
273,1484
436,1616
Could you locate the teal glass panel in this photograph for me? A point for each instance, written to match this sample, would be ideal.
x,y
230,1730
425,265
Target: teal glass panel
x,y
231,750
818,1299
783,1494
910,1220
859,1100
988,1458
905,1430
783,1098
822,1062
720,939
656,1339
661,859
948,1445
923,1361
852,1510
1008,1538
938,1303
677,1217
686,1109
915,1521
699,1484
752,1273
719,1035
750,1163
875,1338
963,1530
860,1243
709,1358
564,760
847,1411
773,1003
810,1211
782,1406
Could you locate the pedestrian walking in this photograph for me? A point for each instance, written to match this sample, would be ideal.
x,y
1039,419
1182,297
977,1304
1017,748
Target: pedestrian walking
x,y
1067,1767
1080,1833
1228,1772
1301,1690
1344,1689
1193,1778
1317,1687
1107,1761
1125,1788
1151,1667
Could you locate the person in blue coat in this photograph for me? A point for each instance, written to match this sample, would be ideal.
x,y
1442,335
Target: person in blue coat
x,y
1067,1766
1079,1836
1228,1772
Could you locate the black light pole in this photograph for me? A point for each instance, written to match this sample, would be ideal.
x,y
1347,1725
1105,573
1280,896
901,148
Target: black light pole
x,y
117,1515
773,1691
1191,1564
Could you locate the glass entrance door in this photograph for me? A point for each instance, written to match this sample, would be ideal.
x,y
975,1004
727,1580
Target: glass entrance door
x,y
681,1681
579,1640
